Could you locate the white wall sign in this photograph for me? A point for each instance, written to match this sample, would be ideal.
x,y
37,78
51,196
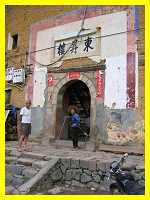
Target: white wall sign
x,y
9,74
18,75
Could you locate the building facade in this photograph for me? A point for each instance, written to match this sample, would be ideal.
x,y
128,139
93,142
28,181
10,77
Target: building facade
x,y
89,56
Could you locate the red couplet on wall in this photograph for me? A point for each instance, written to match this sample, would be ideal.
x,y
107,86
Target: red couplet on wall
x,y
73,75
131,80
50,80
99,84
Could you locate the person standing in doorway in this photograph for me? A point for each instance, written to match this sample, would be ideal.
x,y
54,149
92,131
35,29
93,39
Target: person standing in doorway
x,y
75,124
25,117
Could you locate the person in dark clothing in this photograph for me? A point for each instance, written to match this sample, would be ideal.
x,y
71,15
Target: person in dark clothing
x,y
75,124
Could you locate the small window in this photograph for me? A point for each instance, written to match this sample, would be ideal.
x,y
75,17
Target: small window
x,y
12,41
15,41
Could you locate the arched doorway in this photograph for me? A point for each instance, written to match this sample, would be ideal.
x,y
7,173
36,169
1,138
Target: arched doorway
x,y
74,92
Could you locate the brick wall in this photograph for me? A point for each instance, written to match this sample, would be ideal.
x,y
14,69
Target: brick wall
x,y
19,20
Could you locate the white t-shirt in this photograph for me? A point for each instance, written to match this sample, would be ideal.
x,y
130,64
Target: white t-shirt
x,y
26,115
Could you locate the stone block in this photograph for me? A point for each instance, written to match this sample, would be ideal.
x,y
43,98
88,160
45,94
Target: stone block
x,y
92,164
100,172
63,169
137,176
140,167
87,171
84,79
56,175
25,161
84,164
141,182
104,186
96,177
77,184
129,166
17,180
29,172
16,153
66,163
33,155
9,189
93,185
55,190
76,173
67,183
10,159
102,166
39,164
68,175
8,179
85,178
75,163
14,169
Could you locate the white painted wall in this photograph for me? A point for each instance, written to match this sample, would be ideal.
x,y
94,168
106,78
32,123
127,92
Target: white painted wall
x,y
113,48
115,81
39,87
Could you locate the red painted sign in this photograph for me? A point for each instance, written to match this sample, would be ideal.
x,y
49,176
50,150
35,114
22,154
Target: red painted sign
x,y
99,84
131,80
73,75
50,80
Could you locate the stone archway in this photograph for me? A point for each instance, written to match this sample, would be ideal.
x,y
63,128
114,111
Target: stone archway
x,y
84,78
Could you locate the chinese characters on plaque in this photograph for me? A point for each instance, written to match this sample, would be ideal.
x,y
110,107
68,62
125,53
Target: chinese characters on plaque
x,y
76,46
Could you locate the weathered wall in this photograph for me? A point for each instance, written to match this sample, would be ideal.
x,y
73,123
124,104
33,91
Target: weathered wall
x,y
20,18
83,173
115,55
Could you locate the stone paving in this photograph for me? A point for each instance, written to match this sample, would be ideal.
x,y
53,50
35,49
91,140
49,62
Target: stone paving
x,y
77,167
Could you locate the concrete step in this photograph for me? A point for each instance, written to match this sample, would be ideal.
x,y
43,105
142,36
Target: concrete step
x,y
29,172
14,168
39,164
9,150
25,161
32,155
10,159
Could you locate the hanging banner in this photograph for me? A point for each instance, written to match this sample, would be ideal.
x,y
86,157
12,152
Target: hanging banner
x,y
73,75
99,84
50,80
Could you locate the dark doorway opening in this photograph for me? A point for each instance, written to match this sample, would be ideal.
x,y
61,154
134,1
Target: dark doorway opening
x,y
75,92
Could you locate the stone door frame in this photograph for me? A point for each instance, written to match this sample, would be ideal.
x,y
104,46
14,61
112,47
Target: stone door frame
x,y
89,83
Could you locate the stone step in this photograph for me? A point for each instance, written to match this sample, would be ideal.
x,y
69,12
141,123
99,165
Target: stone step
x,y
25,161
9,150
10,159
32,155
14,169
39,164
29,172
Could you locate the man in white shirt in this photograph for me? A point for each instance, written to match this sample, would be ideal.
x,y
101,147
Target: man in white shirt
x,y
25,117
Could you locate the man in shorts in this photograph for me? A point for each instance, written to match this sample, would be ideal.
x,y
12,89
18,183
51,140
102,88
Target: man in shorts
x,y
25,117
